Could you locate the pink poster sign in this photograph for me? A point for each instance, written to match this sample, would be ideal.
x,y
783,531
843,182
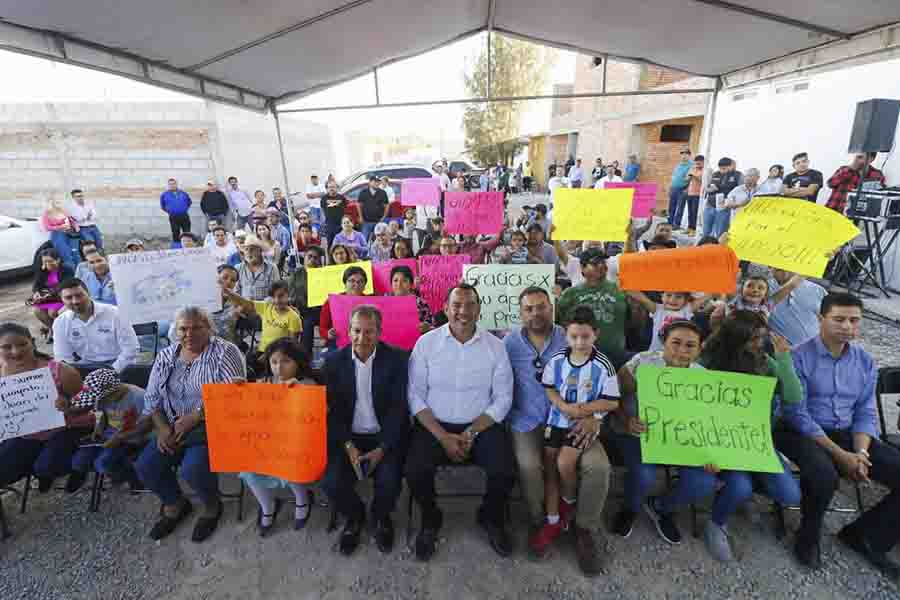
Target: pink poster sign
x,y
399,318
381,273
644,197
471,213
420,191
437,274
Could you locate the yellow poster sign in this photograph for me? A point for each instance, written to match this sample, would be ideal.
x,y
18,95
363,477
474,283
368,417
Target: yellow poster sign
x,y
596,215
330,280
790,234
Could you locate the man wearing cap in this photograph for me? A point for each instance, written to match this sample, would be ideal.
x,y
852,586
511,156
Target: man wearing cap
x,y
678,186
214,204
374,204
240,202
255,274
606,300
134,245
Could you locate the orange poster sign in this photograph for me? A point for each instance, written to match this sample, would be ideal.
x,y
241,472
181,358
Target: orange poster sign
x,y
266,428
711,269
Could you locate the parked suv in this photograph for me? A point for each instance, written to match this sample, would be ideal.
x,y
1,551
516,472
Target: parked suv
x,y
393,171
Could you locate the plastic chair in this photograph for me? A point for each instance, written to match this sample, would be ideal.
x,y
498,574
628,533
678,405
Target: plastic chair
x,y
888,383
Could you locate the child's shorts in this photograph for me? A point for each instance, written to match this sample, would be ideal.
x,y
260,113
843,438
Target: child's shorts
x,y
557,437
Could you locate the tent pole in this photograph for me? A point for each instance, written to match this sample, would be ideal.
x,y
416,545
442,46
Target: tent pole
x,y
708,125
287,184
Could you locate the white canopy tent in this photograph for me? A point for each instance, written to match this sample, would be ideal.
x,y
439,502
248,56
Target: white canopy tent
x,y
259,54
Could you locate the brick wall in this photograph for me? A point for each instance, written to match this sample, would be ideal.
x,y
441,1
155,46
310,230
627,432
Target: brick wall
x,y
660,158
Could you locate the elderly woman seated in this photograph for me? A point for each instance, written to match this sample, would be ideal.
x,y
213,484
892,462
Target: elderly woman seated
x,y
174,402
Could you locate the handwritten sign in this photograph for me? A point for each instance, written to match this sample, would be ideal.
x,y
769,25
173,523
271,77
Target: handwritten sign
x,y
711,269
471,213
27,404
151,286
437,274
499,287
596,215
790,234
399,318
644,196
420,191
267,429
696,417
381,273
330,280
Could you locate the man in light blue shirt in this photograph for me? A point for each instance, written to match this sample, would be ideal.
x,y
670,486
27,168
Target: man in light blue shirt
x,y
530,349
796,318
98,279
484,182
632,168
833,434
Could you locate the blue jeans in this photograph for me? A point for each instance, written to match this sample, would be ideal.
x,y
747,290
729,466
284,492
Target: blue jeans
x,y
367,229
723,221
92,232
109,461
46,459
676,206
693,204
67,247
709,220
157,471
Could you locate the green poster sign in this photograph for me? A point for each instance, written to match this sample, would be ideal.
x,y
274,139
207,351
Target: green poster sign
x,y
499,287
696,417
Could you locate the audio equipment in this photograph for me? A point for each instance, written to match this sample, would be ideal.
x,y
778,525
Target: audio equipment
x,y
874,126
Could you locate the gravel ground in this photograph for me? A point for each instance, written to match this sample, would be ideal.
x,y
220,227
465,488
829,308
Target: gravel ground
x,y
59,550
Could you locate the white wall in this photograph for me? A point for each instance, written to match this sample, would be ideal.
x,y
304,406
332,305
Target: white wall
x,y
771,128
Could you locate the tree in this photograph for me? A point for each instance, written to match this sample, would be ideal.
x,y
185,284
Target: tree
x,y
518,68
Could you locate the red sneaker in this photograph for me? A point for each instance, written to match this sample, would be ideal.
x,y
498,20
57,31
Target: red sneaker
x,y
544,536
566,513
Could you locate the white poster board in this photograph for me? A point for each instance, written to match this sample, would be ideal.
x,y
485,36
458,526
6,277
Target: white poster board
x,y
499,287
151,286
28,404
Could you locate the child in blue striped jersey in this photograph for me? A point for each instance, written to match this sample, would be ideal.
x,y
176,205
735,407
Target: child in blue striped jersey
x,y
580,382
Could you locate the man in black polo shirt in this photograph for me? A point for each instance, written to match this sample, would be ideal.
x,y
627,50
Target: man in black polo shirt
x,y
804,182
374,204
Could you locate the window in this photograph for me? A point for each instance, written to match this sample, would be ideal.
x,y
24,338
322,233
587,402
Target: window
x,y
675,133
749,94
790,88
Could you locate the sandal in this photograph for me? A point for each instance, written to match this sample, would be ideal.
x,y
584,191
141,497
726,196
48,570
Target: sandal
x,y
265,530
166,525
205,526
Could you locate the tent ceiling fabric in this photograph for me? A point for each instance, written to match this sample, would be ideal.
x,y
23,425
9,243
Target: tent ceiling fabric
x,y
282,49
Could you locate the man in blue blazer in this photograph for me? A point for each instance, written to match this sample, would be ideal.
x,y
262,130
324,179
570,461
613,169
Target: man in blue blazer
x,y
368,427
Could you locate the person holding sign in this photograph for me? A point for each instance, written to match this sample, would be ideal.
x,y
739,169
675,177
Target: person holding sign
x,y
681,347
287,363
460,390
675,306
174,401
739,347
580,382
48,454
355,281
368,427
402,281
833,434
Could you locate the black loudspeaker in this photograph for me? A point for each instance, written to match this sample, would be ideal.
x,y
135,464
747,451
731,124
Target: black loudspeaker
x,y
874,126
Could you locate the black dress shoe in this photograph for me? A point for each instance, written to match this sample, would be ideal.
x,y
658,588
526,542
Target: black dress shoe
x,y
384,534
809,555
350,536
878,559
44,484
426,541
166,525
498,536
75,481
205,526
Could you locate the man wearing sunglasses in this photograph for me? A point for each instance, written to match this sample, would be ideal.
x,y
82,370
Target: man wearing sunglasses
x,y
530,349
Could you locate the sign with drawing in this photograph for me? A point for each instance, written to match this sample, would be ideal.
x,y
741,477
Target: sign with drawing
x,y
151,286
28,404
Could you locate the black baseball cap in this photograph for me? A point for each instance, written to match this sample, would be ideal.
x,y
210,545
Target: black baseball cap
x,y
592,256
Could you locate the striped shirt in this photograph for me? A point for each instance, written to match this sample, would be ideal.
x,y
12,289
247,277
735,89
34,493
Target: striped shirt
x,y
176,387
595,379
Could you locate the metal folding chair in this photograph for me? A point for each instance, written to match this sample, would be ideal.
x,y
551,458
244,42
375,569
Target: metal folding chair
x,y
142,329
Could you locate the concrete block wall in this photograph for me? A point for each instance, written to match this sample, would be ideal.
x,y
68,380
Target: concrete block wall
x,y
122,154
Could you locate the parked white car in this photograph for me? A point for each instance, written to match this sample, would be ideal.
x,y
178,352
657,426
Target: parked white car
x,y
21,242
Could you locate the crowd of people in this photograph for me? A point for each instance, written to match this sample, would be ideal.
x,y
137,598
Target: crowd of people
x,y
551,404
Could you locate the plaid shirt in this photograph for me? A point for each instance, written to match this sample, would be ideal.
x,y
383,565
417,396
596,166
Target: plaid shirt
x,y
844,180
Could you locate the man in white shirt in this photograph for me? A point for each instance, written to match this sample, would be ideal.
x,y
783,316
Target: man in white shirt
x,y
460,390
386,186
91,334
442,177
240,202
576,174
610,177
314,193
86,216
368,427
557,181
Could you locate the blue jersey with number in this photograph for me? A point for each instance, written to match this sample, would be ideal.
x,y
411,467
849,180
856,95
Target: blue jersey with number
x,y
595,379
